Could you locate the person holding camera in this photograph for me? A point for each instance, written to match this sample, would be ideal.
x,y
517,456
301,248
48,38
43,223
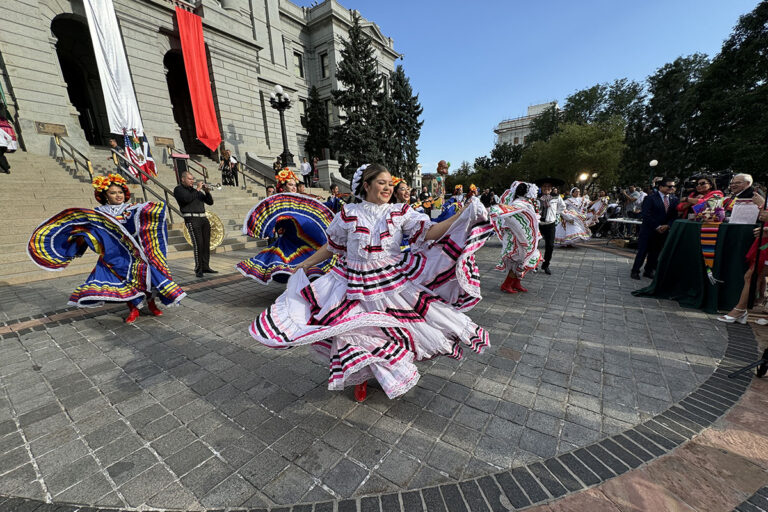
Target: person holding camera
x,y
192,199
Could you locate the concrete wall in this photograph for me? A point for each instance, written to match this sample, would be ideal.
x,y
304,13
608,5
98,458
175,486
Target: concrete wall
x,y
250,45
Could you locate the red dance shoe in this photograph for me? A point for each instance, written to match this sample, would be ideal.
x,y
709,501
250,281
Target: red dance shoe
x,y
361,392
153,308
517,285
507,287
133,315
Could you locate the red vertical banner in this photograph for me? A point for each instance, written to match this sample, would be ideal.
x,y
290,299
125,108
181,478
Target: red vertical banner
x,y
196,64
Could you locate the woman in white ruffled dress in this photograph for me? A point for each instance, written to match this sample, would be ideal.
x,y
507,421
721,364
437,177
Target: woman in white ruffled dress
x,y
516,223
379,310
572,227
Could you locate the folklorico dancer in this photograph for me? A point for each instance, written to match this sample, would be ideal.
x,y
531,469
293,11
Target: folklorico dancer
x,y
550,208
378,310
597,208
516,223
130,240
335,200
287,181
456,202
295,224
572,227
192,200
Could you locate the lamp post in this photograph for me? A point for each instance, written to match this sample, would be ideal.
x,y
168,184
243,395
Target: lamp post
x,y
652,164
280,101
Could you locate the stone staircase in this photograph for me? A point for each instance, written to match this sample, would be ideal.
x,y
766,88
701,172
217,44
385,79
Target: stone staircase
x,y
41,186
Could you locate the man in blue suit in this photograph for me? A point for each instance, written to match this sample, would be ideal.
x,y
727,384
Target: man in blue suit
x,y
658,212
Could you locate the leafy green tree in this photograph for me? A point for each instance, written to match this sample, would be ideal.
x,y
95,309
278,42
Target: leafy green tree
x,y
585,106
662,130
318,134
505,154
356,139
732,96
577,148
483,162
601,102
545,125
400,125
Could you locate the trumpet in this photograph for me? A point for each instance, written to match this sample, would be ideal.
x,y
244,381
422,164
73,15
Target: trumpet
x,y
209,186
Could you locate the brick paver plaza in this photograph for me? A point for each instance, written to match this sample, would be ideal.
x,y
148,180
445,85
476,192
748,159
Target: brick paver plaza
x,y
186,411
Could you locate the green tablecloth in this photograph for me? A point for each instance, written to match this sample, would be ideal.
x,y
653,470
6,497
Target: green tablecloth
x,y
681,274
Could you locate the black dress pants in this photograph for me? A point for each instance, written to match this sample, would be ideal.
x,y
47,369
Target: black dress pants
x,y
4,165
200,232
649,247
548,235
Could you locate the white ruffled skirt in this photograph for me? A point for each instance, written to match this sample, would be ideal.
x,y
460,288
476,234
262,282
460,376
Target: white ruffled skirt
x,y
375,319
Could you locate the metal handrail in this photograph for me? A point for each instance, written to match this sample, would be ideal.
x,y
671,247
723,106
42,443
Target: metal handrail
x,y
73,153
246,177
203,171
268,180
144,189
265,180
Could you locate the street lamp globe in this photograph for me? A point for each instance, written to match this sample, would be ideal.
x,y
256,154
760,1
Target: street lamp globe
x,y
653,163
583,176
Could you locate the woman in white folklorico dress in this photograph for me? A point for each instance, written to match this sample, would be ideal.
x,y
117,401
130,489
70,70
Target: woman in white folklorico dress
x,y
597,208
379,310
516,223
572,227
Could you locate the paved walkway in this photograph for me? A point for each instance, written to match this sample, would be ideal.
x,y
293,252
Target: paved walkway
x,y
186,412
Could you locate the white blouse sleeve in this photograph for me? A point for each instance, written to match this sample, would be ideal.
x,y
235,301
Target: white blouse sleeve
x,y
415,226
337,233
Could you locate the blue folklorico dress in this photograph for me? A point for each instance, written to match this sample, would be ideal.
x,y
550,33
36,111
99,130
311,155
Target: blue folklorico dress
x,y
378,310
296,226
131,241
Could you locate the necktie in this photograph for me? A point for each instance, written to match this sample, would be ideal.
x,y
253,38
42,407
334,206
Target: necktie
x,y
666,203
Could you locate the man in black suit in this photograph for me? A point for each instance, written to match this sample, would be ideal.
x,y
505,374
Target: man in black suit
x,y
658,212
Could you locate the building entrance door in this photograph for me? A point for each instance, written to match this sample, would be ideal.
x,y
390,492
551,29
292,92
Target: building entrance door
x,y
78,67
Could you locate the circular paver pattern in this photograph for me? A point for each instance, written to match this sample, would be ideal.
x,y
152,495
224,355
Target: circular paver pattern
x,y
186,411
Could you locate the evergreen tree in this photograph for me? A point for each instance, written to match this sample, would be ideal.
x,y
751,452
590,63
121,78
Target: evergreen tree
x,y
355,139
401,127
318,134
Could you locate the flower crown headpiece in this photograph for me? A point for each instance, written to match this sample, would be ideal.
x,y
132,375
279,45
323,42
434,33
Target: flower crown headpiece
x,y
356,179
396,181
285,175
458,189
102,183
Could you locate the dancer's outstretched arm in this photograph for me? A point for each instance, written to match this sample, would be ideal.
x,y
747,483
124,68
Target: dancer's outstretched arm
x,y
439,229
321,254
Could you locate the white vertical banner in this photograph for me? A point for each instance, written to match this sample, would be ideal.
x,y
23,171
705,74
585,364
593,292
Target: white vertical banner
x,y
116,84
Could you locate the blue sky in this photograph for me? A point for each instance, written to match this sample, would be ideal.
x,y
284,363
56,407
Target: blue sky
x,y
476,63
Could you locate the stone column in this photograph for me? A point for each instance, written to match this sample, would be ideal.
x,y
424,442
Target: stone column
x,y
326,169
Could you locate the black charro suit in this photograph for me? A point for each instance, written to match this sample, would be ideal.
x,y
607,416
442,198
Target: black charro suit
x,y
651,241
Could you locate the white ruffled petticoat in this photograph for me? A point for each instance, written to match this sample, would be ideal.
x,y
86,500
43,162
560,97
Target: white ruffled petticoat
x,y
379,310
572,227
